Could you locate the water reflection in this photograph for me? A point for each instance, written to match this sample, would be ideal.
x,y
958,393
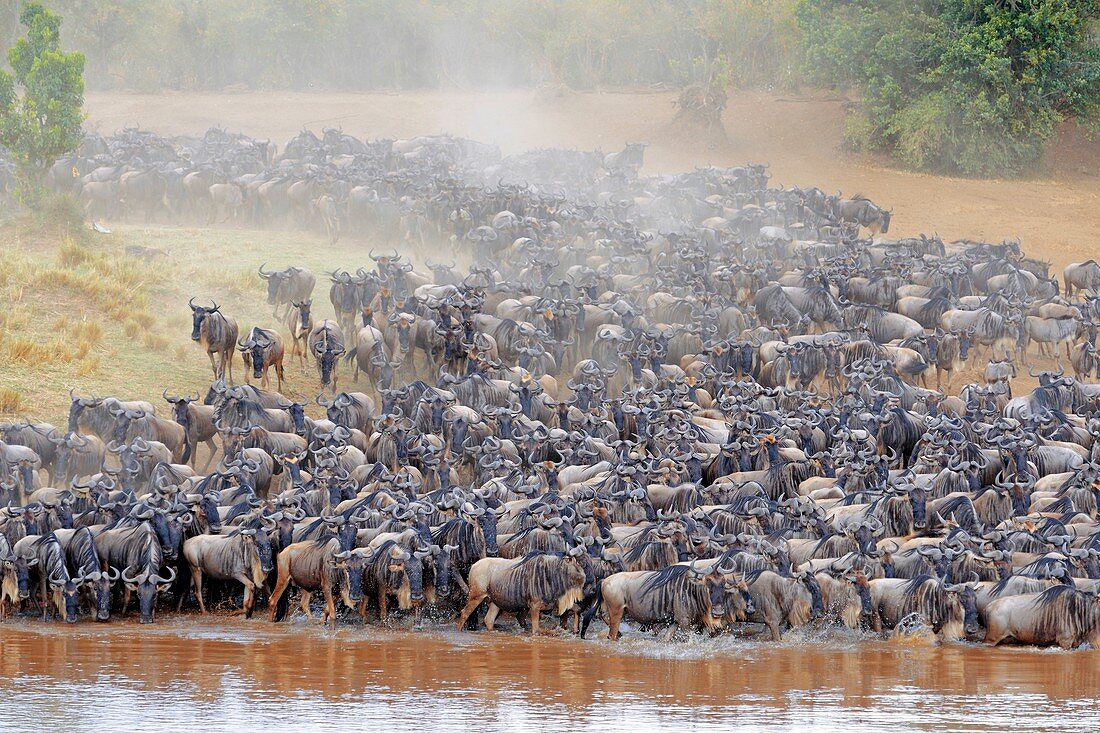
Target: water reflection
x,y
188,675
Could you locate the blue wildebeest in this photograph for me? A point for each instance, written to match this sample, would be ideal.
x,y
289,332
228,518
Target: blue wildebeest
x,y
530,584
1061,615
217,333
261,350
326,343
56,588
949,610
679,594
284,287
243,554
82,557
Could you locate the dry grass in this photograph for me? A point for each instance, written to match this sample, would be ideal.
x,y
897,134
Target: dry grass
x,y
11,402
80,313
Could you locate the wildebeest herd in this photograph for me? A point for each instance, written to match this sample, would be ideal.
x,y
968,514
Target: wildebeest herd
x,y
689,401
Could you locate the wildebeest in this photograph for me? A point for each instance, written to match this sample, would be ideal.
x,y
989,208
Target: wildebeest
x,y
261,350
1082,276
679,595
197,421
534,583
326,344
284,287
1062,615
217,334
300,324
243,554
56,588
950,611
311,566
862,212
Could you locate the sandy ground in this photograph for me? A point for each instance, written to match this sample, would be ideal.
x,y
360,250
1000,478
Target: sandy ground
x,y
1054,212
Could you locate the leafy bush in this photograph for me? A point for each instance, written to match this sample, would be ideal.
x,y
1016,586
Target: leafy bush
x,y
965,86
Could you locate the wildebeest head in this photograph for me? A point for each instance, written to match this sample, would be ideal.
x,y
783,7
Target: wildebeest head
x,y
205,508
713,583
864,534
403,323
100,584
968,600
169,528
17,573
275,281
817,602
918,499
327,355
256,346
261,542
67,446
966,340
404,575
442,568
305,318
1088,560
486,520
198,315
78,405
70,595
297,412
62,509
350,565
145,585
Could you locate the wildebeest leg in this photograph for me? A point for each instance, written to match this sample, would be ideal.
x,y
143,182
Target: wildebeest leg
x,y
1066,640
196,580
279,375
306,595
614,618
228,356
774,628
213,365
476,597
249,596
534,613
213,451
44,594
383,609
330,605
491,616
280,588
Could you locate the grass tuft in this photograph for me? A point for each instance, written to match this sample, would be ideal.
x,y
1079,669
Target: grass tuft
x,y
11,401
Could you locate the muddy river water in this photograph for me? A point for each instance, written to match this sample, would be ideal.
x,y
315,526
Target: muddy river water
x,y
186,674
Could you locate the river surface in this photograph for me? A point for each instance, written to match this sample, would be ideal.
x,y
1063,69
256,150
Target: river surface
x,y
187,674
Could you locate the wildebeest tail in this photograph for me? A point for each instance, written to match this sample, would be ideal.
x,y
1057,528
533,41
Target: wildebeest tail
x,y
350,356
590,614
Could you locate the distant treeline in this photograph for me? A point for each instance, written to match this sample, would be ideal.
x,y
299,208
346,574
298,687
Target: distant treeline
x,y
150,45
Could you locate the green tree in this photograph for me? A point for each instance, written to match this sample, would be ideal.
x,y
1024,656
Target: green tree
x,y
41,101
968,86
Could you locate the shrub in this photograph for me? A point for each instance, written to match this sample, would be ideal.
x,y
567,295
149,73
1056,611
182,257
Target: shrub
x,y
963,86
